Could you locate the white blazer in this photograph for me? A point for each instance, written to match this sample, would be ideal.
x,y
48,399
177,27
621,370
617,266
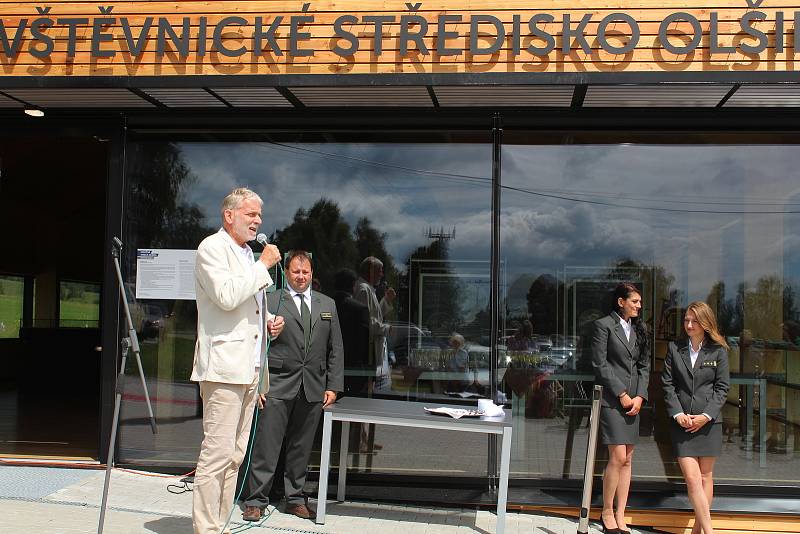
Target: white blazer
x,y
228,317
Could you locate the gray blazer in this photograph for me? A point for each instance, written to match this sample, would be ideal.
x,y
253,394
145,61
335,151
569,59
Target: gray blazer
x,y
619,364
322,367
699,389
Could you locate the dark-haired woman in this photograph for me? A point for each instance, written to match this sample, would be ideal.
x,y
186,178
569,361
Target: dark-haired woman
x,y
696,380
621,362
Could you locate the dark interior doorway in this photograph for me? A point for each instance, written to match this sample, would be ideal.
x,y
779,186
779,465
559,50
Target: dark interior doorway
x,y
52,215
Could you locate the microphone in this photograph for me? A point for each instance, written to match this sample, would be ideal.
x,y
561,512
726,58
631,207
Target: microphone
x,y
262,240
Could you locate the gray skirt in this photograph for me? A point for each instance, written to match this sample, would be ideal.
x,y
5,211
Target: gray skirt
x,y
616,428
705,442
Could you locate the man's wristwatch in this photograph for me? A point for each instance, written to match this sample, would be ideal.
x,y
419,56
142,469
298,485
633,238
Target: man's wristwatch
x,y
622,394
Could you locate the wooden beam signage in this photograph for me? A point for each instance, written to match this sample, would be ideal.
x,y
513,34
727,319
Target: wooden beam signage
x,y
341,36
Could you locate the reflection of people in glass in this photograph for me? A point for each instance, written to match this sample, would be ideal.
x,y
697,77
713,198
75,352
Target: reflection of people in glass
x,y
354,322
791,332
696,380
522,338
622,366
459,364
371,272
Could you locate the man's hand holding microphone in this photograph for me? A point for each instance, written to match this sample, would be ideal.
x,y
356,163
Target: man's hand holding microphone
x,y
270,255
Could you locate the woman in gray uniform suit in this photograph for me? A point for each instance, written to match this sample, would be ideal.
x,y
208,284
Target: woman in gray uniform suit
x,y
696,380
621,361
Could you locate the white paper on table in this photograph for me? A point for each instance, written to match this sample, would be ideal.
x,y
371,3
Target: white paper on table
x,y
455,413
464,394
490,408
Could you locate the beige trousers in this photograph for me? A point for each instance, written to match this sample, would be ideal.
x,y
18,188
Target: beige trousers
x,y
227,416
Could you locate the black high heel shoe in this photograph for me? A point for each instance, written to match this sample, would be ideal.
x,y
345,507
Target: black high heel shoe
x,y
609,530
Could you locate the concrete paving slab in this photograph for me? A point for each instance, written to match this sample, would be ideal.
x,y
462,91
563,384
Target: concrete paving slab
x,y
144,503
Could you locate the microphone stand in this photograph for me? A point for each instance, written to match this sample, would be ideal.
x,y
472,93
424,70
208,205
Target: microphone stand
x,y
131,342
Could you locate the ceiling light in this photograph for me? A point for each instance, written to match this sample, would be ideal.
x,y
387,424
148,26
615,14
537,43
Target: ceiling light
x,y
34,111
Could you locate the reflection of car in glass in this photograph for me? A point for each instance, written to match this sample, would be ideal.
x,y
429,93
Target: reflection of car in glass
x,y
563,350
404,336
561,356
537,343
541,343
147,317
150,321
479,355
565,341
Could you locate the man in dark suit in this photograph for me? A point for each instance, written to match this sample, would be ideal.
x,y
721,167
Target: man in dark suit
x,y
306,372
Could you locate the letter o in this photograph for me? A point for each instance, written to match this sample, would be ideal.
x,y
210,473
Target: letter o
x,y
618,17
686,17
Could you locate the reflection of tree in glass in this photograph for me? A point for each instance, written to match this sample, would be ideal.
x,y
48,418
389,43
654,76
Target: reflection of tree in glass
x,y
441,310
322,231
159,217
760,308
729,314
765,306
160,177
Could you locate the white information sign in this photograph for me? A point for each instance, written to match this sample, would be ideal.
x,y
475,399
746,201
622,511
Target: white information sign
x,y
163,273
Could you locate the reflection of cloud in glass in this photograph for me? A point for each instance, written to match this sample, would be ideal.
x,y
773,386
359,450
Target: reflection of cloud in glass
x,y
365,180
539,234
543,234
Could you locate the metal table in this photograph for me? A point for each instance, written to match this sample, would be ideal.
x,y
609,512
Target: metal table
x,y
399,413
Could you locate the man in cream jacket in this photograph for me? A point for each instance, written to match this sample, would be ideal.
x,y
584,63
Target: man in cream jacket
x,y
231,321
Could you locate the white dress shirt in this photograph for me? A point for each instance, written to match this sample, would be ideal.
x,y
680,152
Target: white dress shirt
x,y
693,354
626,326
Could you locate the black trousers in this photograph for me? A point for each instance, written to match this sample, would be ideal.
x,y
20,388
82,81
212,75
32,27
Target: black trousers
x,y
296,421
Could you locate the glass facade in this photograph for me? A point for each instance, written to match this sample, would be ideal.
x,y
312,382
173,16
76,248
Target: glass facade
x,y
420,203
685,217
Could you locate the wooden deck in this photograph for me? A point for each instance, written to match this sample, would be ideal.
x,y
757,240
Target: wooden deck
x,y
681,522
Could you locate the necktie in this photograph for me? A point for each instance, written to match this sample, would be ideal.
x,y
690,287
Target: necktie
x,y
305,319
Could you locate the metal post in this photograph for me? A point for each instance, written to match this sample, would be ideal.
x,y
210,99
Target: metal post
x,y
588,473
494,304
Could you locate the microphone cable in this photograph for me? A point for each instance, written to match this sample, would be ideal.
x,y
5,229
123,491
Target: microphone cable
x,y
254,425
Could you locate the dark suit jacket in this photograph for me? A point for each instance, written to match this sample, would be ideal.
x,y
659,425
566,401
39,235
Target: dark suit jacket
x,y
354,321
318,370
619,364
699,389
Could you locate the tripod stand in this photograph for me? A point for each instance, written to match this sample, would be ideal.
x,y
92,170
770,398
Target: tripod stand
x,y
131,342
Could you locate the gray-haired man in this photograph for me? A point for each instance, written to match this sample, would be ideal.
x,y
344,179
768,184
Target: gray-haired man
x,y
231,320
